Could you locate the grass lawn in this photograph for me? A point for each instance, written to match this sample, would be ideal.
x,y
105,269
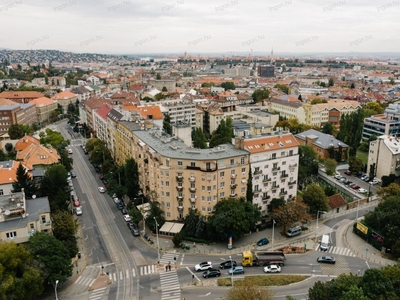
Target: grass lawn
x,y
264,280
363,156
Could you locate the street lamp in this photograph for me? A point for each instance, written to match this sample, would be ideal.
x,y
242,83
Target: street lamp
x,y
230,257
358,204
273,233
55,289
158,245
320,211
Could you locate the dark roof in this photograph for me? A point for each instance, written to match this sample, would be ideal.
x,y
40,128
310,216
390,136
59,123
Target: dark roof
x,y
320,139
115,115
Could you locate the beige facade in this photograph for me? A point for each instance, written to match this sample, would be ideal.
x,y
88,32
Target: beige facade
x,y
20,219
183,178
159,84
385,154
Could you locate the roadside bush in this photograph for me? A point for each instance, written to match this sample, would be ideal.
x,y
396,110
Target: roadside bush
x,y
177,239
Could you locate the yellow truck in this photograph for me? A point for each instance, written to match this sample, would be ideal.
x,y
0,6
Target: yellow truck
x,y
262,258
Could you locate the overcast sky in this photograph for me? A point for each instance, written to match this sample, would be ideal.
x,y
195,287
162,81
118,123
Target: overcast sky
x,y
225,26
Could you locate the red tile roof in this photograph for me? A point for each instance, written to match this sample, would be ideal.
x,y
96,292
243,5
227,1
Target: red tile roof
x,y
336,201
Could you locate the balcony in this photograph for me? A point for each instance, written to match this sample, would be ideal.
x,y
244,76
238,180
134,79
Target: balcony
x,y
292,182
258,172
257,190
179,198
276,169
192,179
180,207
193,200
179,188
292,165
233,195
266,180
283,193
275,187
266,198
233,176
233,186
284,175
192,189
179,178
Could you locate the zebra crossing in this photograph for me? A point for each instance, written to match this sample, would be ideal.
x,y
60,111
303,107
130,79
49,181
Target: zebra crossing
x,y
337,250
169,258
170,287
120,275
97,294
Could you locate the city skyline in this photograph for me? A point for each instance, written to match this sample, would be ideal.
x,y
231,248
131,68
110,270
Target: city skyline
x,y
233,26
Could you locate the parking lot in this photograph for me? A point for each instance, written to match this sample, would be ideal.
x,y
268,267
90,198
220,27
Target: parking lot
x,y
358,181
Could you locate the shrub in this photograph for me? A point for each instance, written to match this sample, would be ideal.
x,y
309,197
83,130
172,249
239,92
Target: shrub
x,y
177,239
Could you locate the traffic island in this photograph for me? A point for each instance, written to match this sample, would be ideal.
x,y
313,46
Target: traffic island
x,y
100,282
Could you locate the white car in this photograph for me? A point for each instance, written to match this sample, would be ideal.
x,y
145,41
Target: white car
x,y
373,182
69,151
102,189
78,211
362,191
272,269
116,200
204,266
127,218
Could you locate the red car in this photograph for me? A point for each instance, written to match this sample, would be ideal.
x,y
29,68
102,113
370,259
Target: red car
x,y
347,172
355,187
76,203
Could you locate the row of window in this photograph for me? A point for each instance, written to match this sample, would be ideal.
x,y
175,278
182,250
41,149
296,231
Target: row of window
x,y
208,165
203,198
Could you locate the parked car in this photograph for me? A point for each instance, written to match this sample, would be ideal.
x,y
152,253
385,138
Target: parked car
x,y
97,169
203,266
127,218
262,242
76,203
348,172
227,264
116,200
374,181
120,206
135,231
101,176
366,178
78,211
355,187
362,191
338,177
69,151
236,270
348,182
124,211
73,175
343,179
326,259
102,189
130,225
272,269
212,273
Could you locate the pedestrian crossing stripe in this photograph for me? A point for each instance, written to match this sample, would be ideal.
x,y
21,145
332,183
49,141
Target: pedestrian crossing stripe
x,y
170,288
337,250
85,281
169,258
97,294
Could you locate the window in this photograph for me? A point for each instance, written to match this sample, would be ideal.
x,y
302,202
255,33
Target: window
x,y
215,198
203,188
167,162
193,196
291,152
275,166
266,167
283,153
11,235
274,184
167,174
209,209
222,195
167,183
273,155
168,214
32,226
243,190
242,160
221,163
232,162
209,188
209,198
265,177
162,194
203,198
43,219
167,194
243,170
180,163
162,183
222,174
168,204
162,204
1,192
214,187
256,177
256,187
192,164
203,208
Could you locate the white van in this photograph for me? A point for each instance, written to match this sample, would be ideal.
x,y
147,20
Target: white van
x,y
324,242
293,231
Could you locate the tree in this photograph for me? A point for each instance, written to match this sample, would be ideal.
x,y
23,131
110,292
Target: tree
x,y
355,164
293,212
320,290
248,290
24,181
328,128
9,147
158,76
65,226
135,214
201,227
318,101
283,87
351,126
167,124
156,212
199,139
392,273
387,180
54,185
191,220
16,131
19,277
308,164
330,166
228,85
131,177
249,189
177,239
164,89
392,189
275,204
314,196
54,139
331,82
260,95
376,286
53,258
229,217
223,134
66,160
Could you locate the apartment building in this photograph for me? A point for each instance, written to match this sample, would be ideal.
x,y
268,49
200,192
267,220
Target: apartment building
x,y
15,113
20,97
44,108
387,123
100,122
124,136
385,154
184,178
159,84
20,219
181,111
274,164
64,99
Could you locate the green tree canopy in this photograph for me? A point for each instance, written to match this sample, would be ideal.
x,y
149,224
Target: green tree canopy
x,y
199,139
355,164
314,196
54,139
229,85
54,185
131,178
24,181
283,87
65,226
53,258
167,124
260,95
156,212
223,134
294,212
308,164
17,131
20,279
330,166
351,126
328,128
